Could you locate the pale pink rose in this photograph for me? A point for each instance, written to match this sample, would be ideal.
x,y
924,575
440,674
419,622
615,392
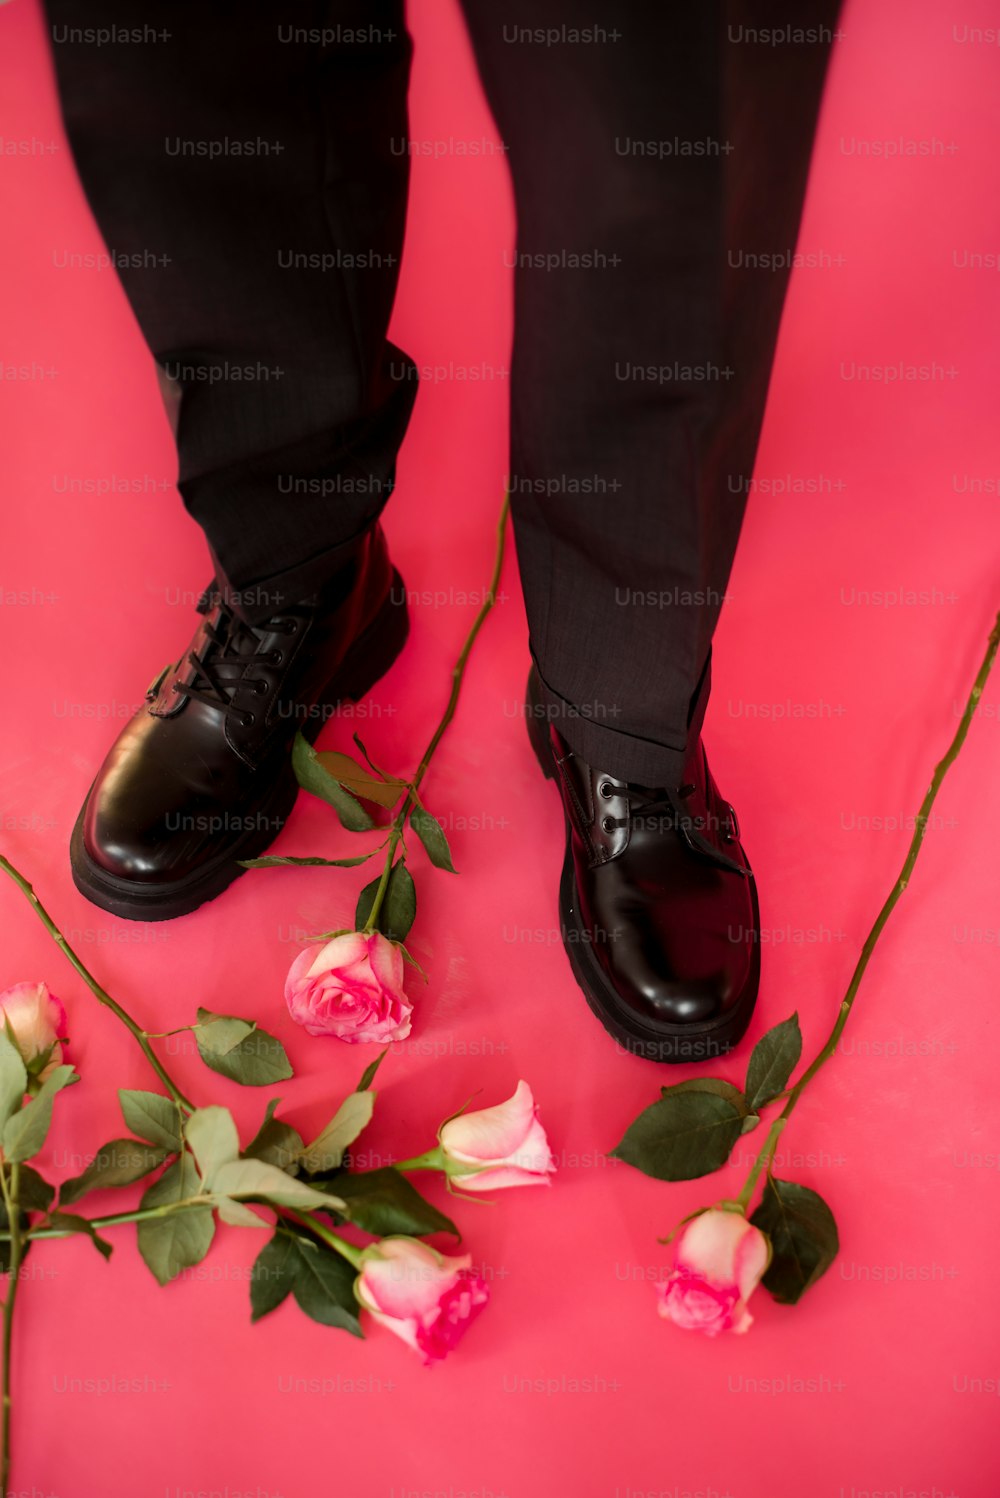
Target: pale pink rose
x,y
350,987
426,1298
507,1144
38,1021
719,1258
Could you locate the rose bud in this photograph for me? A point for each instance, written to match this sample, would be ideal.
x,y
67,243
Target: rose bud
x,y
426,1298
505,1145
350,987
36,1022
719,1258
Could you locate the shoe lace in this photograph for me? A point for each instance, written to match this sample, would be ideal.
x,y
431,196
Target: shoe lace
x,y
220,663
657,802
660,803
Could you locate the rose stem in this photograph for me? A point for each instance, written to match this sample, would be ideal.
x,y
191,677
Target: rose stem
x,y
458,672
99,993
916,842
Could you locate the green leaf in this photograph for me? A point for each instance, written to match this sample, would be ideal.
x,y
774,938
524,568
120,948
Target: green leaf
x,y
117,1163
239,1050
368,1075
803,1234
683,1136
176,1242
324,1288
13,1078
431,834
398,907
237,1215
257,1179
211,1134
371,763
327,1149
366,900
276,1143
772,1061
272,861
709,1084
152,1117
25,1132
221,1033
69,1222
356,779
312,777
750,1122
322,1282
273,1275
384,1201
34,1192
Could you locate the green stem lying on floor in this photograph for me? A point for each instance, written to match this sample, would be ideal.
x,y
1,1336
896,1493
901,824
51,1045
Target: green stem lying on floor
x,y
103,997
170,1209
348,1251
411,799
13,1210
766,1155
116,1219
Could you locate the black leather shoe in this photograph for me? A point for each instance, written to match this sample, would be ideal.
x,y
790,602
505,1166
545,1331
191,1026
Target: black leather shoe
x,y
657,903
202,775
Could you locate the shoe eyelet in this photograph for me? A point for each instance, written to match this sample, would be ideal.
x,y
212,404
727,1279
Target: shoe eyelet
x,y
277,657
608,824
260,686
606,789
248,720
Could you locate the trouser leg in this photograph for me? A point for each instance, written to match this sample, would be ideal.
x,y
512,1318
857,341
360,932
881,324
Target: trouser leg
x,y
247,167
650,156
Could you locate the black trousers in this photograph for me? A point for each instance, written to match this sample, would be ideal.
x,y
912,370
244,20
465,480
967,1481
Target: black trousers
x,y
248,166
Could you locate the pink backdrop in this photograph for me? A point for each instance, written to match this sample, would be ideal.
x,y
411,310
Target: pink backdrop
x,y
828,714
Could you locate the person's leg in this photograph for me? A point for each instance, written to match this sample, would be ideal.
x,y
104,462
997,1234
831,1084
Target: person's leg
x,y
655,151
244,164
660,153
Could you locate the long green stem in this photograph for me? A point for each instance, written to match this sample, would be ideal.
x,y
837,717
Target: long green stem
x,y
339,1245
115,1219
168,1209
411,799
13,1209
99,993
916,842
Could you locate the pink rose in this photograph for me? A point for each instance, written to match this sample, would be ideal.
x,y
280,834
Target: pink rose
x,y
506,1145
350,987
37,1021
719,1258
426,1298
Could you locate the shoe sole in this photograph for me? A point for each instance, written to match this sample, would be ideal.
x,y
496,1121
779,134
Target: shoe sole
x,y
368,659
673,1045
